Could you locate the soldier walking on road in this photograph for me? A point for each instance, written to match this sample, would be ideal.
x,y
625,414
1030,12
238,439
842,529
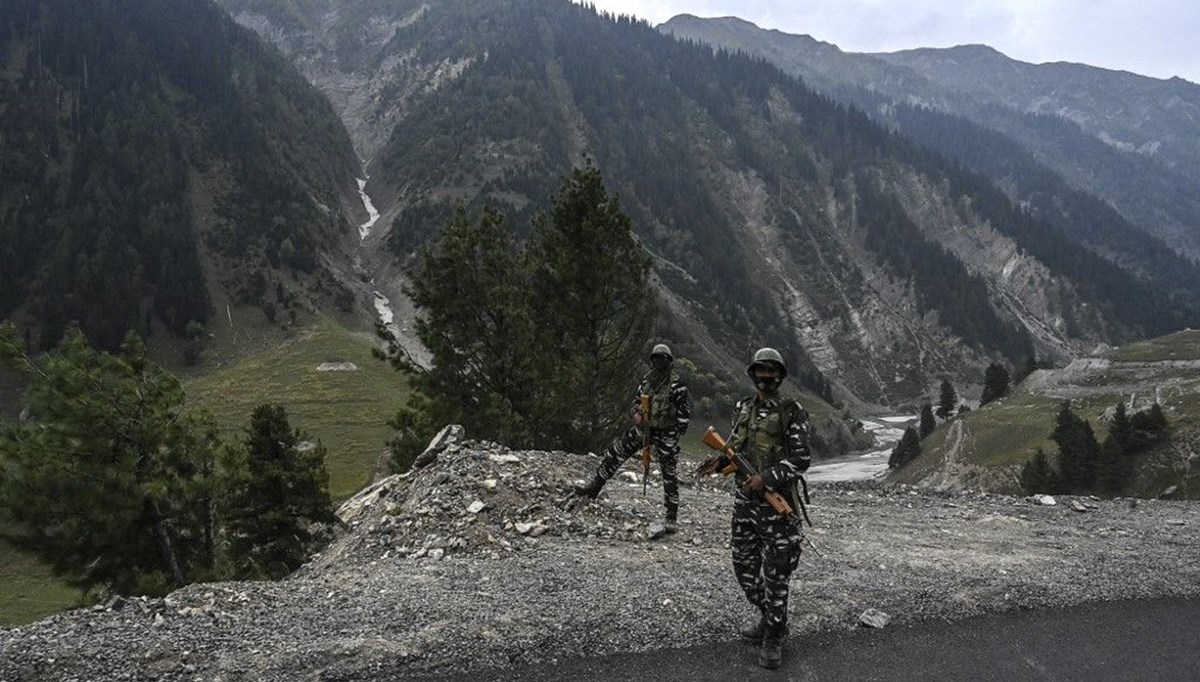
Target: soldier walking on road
x,y
772,433
665,422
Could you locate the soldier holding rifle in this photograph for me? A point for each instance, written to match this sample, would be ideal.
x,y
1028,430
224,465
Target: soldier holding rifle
x,y
661,411
771,435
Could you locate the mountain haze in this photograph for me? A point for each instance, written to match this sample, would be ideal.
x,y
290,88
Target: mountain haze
x,y
774,215
1129,139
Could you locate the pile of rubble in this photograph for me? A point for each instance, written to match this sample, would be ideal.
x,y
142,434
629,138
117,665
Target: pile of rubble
x,y
468,497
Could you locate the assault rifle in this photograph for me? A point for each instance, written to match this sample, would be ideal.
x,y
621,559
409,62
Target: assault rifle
x,y
644,403
729,461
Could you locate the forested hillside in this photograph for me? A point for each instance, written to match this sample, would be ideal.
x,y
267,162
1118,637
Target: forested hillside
x,y
774,214
153,153
1127,141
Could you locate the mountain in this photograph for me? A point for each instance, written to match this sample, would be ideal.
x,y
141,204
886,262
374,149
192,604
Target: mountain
x,y
986,448
774,214
1131,140
157,160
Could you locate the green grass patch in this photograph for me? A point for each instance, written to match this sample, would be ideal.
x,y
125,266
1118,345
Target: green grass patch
x,y
29,590
347,411
1184,345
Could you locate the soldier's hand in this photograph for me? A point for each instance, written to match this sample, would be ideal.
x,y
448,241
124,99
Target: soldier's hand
x,y
754,484
638,418
708,466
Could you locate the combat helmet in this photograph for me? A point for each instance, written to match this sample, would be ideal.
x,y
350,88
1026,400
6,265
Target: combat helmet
x,y
662,349
765,356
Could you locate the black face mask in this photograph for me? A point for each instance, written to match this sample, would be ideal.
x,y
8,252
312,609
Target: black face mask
x,y
768,384
660,363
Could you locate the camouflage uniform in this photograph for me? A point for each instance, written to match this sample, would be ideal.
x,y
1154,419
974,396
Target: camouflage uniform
x,y
670,412
772,434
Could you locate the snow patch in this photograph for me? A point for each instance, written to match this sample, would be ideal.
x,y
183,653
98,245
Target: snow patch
x,y
337,367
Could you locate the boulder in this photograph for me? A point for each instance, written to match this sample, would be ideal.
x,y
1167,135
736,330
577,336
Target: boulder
x,y
874,618
449,435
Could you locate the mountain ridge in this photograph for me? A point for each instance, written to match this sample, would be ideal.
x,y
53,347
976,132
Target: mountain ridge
x,y
518,104
1148,188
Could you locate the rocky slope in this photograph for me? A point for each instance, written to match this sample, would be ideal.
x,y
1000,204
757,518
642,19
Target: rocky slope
x,y
470,563
1126,138
744,187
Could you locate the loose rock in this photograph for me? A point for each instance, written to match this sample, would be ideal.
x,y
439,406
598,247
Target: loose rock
x,y
874,618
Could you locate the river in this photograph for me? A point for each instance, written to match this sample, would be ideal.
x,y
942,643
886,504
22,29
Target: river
x,y
864,465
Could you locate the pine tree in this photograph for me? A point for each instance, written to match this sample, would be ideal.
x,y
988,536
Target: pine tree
x,y
928,423
275,491
591,278
908,449
537,348
475,301
995,383
1078,451
947,401
1121,429
108,480
1037,476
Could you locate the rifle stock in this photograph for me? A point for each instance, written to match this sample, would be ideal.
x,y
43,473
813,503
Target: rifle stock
x,y
737,462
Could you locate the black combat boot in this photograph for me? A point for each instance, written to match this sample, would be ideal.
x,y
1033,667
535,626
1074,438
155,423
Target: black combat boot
x,y
753,634
771,653
672,521
591,490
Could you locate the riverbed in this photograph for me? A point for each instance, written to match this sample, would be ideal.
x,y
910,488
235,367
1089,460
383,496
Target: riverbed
x,y
871,464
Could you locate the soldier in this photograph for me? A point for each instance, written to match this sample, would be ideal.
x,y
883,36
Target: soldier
x,y
772,433
667,420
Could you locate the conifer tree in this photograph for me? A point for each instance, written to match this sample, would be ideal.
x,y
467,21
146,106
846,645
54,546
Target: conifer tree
x,y
1121,429
1147,427
538,348
928,423
995,383
276,490
1038,477
947,401
591,278
1078,451
476,319
108,480
908,449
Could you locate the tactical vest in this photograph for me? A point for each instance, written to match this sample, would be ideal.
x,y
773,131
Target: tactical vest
x,y
762,440
662,410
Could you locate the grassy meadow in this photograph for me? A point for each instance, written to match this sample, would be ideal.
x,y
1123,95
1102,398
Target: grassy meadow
x,y
347,411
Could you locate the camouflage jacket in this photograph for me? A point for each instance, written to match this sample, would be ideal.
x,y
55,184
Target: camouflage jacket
x,y
670,390
773,435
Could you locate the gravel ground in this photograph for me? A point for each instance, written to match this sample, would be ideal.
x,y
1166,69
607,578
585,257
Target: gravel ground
x,y
471,563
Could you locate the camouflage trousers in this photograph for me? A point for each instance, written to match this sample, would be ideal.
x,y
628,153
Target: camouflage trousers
x,y
766,549
630,444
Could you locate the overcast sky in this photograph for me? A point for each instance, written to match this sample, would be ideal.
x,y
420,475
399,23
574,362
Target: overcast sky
x,y
1159,38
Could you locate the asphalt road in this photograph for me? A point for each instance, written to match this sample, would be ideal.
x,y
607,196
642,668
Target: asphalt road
x,y
1143,640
